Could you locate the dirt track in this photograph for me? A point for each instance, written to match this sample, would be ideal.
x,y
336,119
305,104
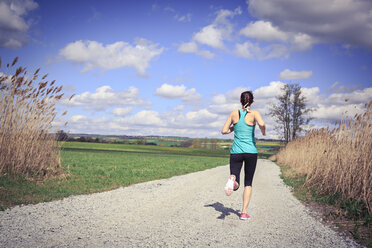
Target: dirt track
x,y
184,211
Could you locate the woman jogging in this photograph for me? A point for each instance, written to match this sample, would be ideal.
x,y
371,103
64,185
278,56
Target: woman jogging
x,y
243,122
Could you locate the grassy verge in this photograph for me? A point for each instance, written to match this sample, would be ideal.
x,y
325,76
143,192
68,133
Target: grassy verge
x,y
347,215
94,168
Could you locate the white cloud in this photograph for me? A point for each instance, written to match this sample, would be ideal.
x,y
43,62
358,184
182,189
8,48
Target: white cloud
x,y
270,91
313,96
95,55
234,94
263,31
223,104
13,25
179,107
179,91
205,53
183,18
346,21
192,47
171,91
212,35
263,98
328,108
122,111
331,113
105,97
207,122
188,47
200,123
219,99
337,88
302,42
77,118
144,118
293,75
254,51
85,124
247,50
354,97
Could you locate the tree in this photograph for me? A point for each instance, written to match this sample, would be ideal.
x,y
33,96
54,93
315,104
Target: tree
x,y
186,143
299,112
140,142
214,144
290,112
196,143
61,135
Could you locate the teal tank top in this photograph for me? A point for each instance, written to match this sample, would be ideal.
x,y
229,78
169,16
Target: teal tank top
x,y
244,141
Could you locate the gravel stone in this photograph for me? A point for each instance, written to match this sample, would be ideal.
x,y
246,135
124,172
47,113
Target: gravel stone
x,y
183,211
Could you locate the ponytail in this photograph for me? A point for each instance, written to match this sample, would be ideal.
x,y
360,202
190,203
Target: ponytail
x,y
246,107
246,99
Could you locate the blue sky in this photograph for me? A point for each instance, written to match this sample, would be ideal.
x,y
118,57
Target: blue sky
x,y
178,67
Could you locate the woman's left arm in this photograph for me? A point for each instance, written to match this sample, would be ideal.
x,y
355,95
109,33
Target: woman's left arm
x,y
227,128
260,122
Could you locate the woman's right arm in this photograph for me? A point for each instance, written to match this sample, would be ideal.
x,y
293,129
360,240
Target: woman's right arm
x,y
227,128
260,122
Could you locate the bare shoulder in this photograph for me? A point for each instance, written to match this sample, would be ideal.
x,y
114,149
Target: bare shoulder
x,y
234,112
234,116
256,114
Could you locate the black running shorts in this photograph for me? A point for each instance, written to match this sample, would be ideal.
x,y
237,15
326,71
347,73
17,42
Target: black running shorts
x,y
236,163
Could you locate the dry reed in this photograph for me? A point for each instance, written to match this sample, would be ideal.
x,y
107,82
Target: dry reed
x,y
27,110
337,160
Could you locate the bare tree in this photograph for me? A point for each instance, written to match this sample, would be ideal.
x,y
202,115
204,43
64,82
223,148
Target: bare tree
x,y
290,112
299,111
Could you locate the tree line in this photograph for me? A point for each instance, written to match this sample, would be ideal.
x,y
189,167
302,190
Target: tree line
x,y
194,143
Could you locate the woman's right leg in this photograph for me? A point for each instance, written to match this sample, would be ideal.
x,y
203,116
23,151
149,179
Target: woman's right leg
x,y
236,163
250,162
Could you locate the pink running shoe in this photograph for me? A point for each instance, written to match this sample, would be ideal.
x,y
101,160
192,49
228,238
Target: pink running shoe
x,y
229,187
244,216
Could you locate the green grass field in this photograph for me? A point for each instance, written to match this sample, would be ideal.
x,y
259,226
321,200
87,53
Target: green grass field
x,y
93,167
146,149
96,167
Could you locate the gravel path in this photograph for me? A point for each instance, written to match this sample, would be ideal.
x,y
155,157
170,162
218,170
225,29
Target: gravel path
x,y
185,211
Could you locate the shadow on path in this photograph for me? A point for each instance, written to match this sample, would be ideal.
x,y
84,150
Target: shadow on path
x,y
219,207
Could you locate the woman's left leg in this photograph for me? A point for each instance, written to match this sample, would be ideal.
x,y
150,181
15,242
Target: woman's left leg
x,y
246,197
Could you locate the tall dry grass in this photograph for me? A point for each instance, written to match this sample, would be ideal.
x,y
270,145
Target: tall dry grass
x,y
337,160
27,110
